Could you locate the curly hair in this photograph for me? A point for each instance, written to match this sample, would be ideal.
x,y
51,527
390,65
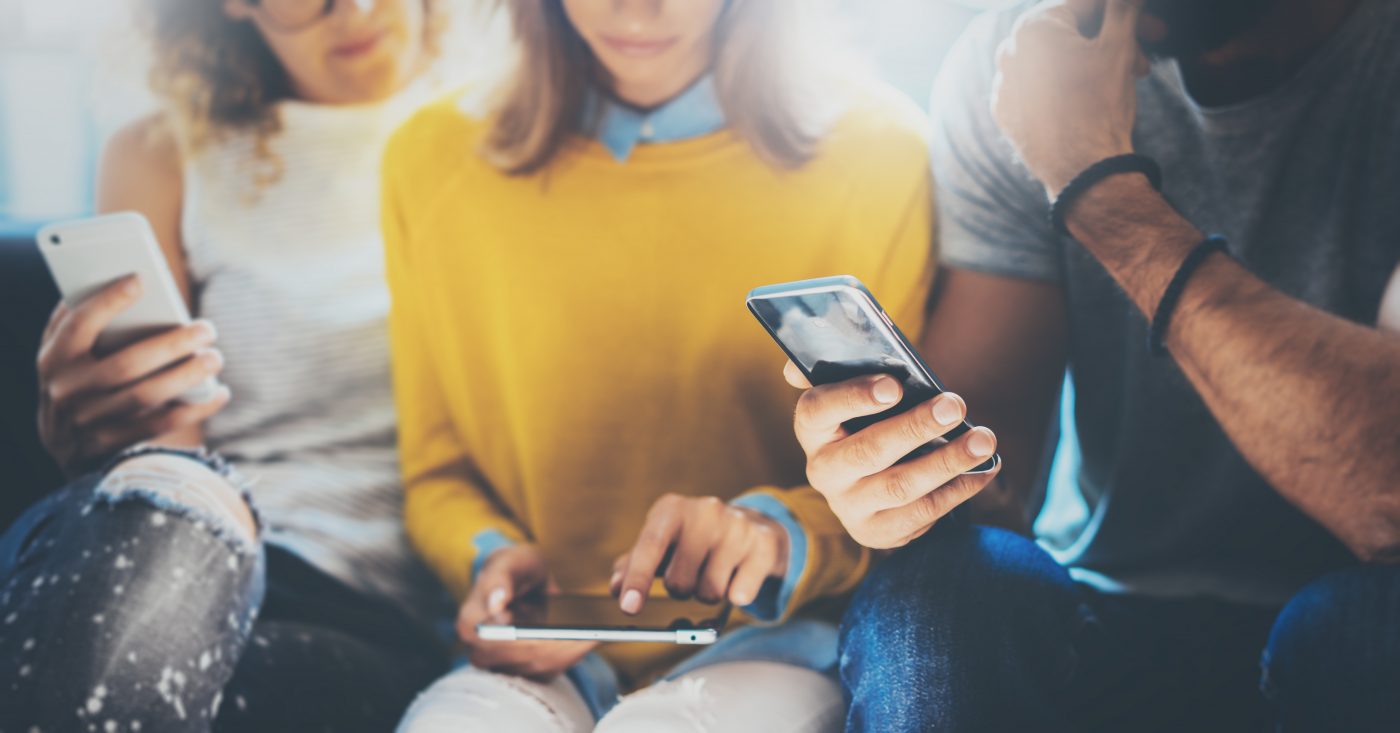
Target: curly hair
x,y
218,75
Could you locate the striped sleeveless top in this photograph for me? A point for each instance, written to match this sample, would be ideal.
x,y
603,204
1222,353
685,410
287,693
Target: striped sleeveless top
x,y
290,271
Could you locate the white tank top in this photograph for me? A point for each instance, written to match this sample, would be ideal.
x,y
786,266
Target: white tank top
x,y
291,274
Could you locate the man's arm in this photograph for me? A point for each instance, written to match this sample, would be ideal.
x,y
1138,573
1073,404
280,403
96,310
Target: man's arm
x,y
1000,343
1311,400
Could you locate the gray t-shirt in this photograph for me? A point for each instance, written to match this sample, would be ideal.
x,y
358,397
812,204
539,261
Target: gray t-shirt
x,y
1305,182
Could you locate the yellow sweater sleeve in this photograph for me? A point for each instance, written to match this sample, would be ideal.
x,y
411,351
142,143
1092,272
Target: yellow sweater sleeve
x,y
451,517
834,563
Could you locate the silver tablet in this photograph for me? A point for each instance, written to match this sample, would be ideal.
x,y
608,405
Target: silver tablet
x,y
598,618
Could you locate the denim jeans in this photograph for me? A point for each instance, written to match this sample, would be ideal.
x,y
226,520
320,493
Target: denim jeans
x,y
978,629
130,613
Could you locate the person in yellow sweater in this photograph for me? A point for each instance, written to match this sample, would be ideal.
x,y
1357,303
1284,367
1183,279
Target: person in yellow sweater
x,y
578,382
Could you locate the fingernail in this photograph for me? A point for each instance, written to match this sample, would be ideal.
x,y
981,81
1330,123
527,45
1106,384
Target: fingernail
x,y
205,331
211,358
946,410
496,602
616,578
981,443
632,601
886,391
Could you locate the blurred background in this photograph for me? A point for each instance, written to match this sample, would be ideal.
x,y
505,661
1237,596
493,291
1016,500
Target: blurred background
x,y
72,71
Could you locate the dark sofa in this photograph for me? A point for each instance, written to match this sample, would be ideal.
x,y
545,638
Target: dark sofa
x,y
27,296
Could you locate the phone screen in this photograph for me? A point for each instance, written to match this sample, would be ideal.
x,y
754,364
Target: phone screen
x,y
834,330
838,334
602,612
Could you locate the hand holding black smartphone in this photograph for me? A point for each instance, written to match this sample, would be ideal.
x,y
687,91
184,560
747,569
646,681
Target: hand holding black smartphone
x,y
833,329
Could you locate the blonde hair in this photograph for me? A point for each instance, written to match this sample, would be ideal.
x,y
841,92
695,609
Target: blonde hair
x,y
770,61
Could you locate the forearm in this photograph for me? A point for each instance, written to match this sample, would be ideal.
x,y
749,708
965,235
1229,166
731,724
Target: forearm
x,y
1308,398
1009,374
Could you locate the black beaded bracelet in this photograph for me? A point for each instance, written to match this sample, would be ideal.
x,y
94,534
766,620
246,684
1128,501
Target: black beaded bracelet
x,y
1161,321
1130,163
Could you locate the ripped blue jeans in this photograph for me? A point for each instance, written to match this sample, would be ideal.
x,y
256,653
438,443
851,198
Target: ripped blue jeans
x,y
129,612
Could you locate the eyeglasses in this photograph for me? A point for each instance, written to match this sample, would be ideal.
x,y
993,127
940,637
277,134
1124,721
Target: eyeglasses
x,y
295,15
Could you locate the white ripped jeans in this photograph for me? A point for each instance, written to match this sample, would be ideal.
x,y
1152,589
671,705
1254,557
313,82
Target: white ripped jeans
x,y
732,697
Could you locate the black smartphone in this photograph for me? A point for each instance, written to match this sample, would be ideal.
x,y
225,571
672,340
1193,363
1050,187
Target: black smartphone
x,y
833,329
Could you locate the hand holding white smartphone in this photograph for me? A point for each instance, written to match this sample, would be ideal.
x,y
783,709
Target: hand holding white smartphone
x,y
86,255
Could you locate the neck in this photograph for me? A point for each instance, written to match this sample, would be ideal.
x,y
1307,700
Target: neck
x,y
1267,54
654,95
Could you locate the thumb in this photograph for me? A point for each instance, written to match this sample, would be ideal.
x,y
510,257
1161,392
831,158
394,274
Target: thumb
x,y
1120,20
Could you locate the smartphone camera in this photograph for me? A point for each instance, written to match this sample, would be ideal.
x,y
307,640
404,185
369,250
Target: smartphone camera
x,y
55,239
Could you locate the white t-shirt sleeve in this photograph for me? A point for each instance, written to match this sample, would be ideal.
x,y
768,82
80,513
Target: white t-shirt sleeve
x,y
993,216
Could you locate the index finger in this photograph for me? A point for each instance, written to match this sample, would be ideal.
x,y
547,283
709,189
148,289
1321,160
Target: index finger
x,y
655,539
60,312
77,334
822,410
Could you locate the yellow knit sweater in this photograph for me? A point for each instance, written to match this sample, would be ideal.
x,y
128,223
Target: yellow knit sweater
x,y
568,347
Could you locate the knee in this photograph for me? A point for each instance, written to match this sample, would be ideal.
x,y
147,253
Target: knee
x,y
683,704
951,579
735,696
177,482
473,699
1335,647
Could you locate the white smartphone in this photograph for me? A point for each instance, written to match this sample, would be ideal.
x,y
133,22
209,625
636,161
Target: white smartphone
x,y
598,618
86,255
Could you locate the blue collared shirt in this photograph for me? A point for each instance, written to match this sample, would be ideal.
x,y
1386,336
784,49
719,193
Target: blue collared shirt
x,y
693,113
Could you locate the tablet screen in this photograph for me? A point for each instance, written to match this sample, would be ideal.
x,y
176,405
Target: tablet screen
x,y
602,612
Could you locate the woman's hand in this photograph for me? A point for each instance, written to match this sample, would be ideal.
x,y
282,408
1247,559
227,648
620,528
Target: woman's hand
x,y
883,505
717,552
511,574
91,407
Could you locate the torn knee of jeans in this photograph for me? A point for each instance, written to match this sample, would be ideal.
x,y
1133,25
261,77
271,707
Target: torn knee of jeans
x,y
186,490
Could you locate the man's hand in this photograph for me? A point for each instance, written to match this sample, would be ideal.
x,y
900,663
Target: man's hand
x,y
1065,100
717,552
511,574
883,505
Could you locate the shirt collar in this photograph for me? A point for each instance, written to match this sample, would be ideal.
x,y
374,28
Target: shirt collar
x,y
620,128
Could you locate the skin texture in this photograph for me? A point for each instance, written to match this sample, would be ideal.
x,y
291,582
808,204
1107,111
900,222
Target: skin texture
x,y
882,505
675,36
91,407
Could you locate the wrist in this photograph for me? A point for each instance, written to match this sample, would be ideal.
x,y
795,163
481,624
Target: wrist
x,y
1134,233
775,530
491,546
1055,180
